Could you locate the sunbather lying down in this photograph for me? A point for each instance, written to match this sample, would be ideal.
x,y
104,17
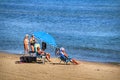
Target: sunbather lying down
x,y
63,53
42,53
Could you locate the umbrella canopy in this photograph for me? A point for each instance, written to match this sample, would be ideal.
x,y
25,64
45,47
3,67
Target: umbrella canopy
x,y
45,37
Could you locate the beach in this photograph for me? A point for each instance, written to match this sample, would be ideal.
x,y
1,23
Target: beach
x,y
10,70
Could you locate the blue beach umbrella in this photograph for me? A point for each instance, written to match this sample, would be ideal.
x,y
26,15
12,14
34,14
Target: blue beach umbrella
x,y
45,37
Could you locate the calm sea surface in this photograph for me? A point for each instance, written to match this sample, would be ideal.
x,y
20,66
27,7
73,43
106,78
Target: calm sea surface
x,y
88,29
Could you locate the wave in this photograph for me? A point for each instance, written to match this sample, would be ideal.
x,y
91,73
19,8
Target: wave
x,y
93,49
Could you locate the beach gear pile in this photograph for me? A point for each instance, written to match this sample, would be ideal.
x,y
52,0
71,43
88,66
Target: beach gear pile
x,y
45,38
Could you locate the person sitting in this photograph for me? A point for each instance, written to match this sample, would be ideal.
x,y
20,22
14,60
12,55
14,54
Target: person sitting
x,y
64,54
42,53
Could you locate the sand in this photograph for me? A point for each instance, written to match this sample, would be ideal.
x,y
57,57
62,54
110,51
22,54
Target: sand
x,y
10,70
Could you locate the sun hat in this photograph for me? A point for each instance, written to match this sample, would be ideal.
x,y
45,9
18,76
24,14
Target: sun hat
x,y
62,49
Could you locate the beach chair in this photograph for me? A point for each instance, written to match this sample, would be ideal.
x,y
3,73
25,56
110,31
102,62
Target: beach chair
x,y
42,58
64,59
35,46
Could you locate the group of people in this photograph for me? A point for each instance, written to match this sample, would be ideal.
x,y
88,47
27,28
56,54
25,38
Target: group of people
x,y
32,43
26,42
41,52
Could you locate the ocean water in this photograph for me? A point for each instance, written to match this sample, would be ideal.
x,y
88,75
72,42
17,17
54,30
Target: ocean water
x,y
88,29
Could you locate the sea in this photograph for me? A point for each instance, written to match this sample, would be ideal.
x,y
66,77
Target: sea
x,y
89,30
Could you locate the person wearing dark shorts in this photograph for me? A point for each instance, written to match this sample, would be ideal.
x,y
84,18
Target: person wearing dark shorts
x,y
32,42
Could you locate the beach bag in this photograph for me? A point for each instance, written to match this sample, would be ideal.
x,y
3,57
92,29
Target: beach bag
x,y
44,46
28,59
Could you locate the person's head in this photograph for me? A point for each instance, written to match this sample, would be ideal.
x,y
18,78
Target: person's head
x,y
26,35
38,48
62,49
32,35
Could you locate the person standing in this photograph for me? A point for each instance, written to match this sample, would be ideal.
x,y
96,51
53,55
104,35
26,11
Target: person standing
x,y
32,43
26,44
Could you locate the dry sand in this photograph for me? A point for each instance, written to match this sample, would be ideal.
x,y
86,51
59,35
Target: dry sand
x,y
9,70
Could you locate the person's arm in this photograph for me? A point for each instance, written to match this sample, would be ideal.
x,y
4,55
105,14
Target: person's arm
x,y
35,40
40,52
65,54
30,40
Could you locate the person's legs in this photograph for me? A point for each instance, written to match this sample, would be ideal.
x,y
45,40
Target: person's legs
x,y
74,61
32,48
48,57
26,48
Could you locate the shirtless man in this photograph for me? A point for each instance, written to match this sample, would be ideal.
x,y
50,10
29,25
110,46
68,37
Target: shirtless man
x,y
42,53
26,44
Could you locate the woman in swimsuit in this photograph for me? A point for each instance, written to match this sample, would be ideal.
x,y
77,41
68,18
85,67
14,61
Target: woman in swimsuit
x,y
32,42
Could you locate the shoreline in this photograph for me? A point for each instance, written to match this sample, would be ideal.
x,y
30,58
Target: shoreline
x,y
104,63
115,63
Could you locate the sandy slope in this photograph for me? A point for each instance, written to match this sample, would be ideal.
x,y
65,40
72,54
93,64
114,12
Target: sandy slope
x,y
9,70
